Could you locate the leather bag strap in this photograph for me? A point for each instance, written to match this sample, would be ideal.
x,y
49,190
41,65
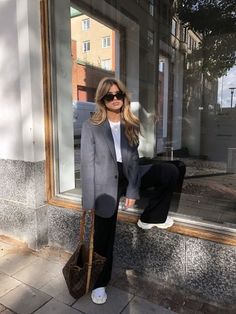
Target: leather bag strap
x,y
82,227
90,250
90,245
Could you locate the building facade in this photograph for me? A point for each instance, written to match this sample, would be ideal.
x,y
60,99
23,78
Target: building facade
x,y
183,93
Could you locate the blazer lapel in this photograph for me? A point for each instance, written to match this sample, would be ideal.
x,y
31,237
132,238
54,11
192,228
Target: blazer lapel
x,y
109,138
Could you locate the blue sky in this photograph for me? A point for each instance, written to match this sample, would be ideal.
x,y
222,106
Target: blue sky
x,y
224,93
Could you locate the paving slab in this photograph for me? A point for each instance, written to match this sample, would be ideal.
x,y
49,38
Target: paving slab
x,y
140,306
117,300
7,311
7,284
2,308
57,255
4,247
128,293
57,288
56,307
11,263
39,273
24,299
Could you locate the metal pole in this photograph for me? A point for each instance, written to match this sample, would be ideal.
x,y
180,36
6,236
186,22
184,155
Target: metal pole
x,y
232,95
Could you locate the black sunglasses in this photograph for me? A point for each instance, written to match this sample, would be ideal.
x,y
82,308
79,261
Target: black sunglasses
x,y
109,97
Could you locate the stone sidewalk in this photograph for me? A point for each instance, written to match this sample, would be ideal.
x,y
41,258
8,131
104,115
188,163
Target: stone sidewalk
x,y
32,282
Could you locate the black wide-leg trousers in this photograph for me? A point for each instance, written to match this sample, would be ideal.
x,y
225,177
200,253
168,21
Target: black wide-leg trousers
x,y
158,186
159,183
104,233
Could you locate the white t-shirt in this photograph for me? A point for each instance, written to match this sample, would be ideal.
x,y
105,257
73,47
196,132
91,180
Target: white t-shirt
x,y
115,129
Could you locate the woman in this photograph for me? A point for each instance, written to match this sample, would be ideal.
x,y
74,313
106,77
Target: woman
x,y
109,169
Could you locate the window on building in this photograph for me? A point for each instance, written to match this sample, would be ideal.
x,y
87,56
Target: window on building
x,y
161,66
106,64
85,24
174,27
150,37
151,7
185,34
189,42
164,11
86,46
106,42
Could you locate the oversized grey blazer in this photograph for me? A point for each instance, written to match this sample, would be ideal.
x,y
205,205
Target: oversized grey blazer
x,y
99,171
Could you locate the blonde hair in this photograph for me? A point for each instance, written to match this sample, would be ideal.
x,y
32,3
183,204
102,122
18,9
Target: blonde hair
x,y
132,123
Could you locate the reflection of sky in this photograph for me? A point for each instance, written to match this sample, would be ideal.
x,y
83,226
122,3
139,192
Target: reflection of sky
x,y
224,93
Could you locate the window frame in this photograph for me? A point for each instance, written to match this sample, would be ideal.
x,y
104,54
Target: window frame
x,y
151,7
174,27
51,199
86,44
105,41
150,38
106,68
87,24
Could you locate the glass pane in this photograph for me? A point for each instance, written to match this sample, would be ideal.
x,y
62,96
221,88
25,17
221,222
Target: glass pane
x,y
204,77
178,60
90,64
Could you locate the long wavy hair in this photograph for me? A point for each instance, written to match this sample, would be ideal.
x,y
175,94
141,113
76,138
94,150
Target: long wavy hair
x,y
131,122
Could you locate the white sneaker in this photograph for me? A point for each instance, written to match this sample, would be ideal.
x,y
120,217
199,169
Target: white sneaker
x,y
99,295
167,224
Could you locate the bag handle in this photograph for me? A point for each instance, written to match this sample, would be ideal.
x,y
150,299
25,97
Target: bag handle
x,y
82,227
91,246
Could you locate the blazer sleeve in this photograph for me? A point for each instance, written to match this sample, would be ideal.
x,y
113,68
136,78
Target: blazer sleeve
x,y
132,190
87,166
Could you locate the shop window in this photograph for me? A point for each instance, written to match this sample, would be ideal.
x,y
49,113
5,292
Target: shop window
x,y
207,138
186,100
81,76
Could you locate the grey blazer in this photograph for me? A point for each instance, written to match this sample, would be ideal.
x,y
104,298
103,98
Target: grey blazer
x,y
99,171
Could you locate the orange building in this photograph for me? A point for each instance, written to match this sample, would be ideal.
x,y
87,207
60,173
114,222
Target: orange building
x,y
93,55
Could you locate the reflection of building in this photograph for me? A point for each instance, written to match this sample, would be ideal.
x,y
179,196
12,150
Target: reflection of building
x,y
190,92
85,78
95,42
93,55
200,96
171,80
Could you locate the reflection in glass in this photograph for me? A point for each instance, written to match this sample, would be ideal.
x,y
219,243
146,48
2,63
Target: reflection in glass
x,y
178,59
208,143
93,56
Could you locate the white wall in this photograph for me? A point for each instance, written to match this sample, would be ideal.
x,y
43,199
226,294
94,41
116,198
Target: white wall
x,y
21,98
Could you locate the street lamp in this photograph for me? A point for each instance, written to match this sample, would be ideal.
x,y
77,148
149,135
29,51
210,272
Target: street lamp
x,y
232,95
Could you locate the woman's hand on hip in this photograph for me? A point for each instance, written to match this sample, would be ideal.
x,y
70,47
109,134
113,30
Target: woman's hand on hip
x,y
129,202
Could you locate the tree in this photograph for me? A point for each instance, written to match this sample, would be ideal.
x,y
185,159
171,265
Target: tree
x,y
216,22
